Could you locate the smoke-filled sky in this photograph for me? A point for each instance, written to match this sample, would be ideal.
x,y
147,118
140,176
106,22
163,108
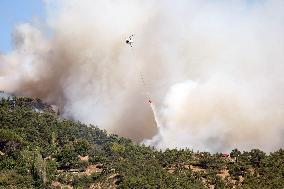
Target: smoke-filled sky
x,y
13,12
214,69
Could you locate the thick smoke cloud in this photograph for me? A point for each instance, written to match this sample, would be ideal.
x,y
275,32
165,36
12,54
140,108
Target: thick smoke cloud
x,y
214,69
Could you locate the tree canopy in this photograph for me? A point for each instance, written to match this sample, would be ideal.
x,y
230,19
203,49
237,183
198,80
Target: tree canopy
x,y
39,149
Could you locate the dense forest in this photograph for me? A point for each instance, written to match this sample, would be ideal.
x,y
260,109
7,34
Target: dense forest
x,y
40,149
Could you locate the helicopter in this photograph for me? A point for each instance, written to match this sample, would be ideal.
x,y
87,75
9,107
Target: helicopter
x,y
130,40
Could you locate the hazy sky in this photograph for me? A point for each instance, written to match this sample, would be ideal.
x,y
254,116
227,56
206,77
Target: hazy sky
x,y
13,12
17,11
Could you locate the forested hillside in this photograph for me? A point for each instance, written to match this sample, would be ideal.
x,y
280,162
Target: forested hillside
x,y
39,149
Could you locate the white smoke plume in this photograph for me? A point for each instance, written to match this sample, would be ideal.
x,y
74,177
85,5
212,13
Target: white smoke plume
x,y
213,68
